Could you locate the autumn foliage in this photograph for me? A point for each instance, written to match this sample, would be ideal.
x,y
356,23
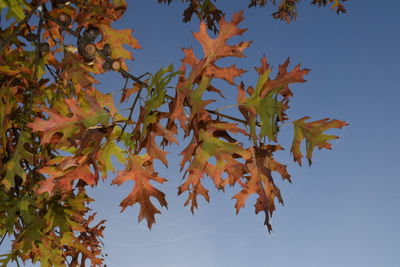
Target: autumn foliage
x,y
58,132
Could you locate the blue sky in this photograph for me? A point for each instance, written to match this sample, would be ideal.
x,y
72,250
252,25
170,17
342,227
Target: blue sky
x,y
344,210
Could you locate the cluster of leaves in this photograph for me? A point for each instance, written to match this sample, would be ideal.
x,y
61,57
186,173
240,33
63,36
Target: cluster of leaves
x,y
207,10
59,133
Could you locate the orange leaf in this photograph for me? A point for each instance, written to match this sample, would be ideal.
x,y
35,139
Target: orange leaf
x,y
117,39
139,169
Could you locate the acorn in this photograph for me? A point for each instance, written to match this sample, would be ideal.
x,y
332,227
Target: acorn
x,y
91,34
64,18
89,61
44,48
106,66
106,50
116,65
31,37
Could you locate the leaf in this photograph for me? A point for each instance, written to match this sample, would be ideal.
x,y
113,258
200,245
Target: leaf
x,y
67,126
74,70
117,39
336,4
269,100
16,8
106,152
7,102
13,167
217,48
63,175
200,153
157,88
312,133
283,78
260,164
268,108
139,169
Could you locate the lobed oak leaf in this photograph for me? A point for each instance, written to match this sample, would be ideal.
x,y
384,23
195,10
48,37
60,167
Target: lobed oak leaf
x,y
312,133
107,150
199,154
283,78
269,100
259,164
13,167
62,176
74,70
139,170
217,48
155,129
98,101
195,188
68,126
117,39
104,11
149,127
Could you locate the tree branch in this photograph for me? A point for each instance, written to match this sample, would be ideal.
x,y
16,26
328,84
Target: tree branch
x,y
126,74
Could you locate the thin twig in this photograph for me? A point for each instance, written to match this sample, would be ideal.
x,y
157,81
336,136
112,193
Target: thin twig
x,y
220,114
132,108
4,236
54,75
137,79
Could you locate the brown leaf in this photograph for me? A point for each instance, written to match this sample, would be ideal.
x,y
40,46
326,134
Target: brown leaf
x,y
217,48
62,176
140,171
59,123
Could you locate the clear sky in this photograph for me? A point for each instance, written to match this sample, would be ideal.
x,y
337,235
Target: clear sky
x,y
344,210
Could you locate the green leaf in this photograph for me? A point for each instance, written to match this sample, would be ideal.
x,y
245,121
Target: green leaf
x,y
312,132
267,107
156,93
106,152
16,8
13,166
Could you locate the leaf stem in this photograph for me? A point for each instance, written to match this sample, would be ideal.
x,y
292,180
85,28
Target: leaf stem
x,y
131,109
